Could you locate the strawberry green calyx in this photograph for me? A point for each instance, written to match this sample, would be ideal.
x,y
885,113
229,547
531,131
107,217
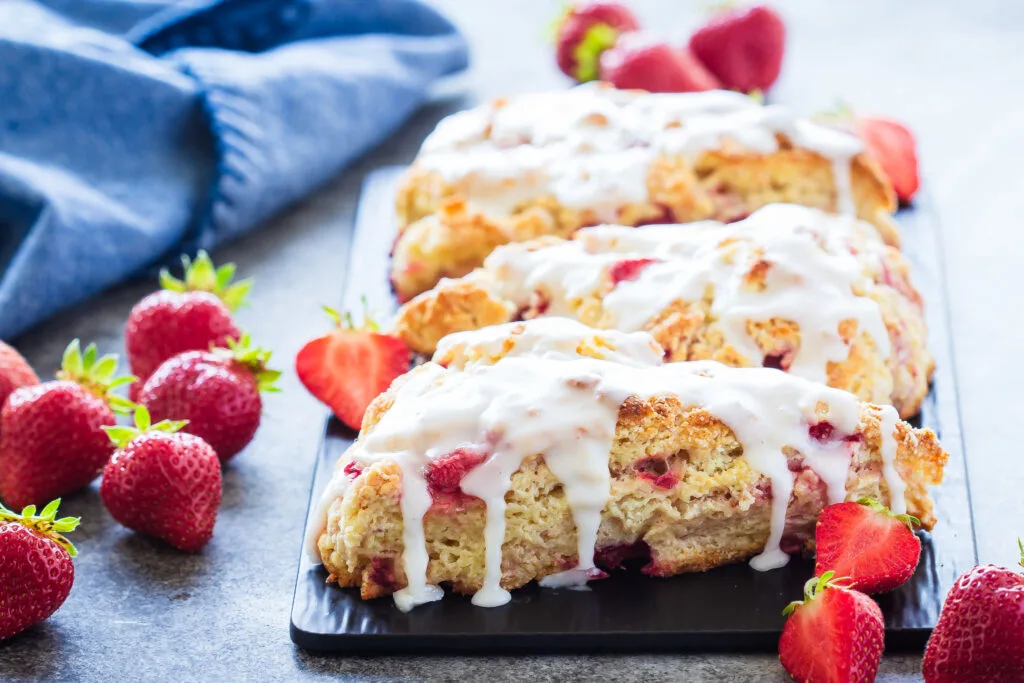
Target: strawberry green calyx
x,y
254,358
202,276
45,523
587,53
812,589
345,321
96,375
1020,544
911,521
122,436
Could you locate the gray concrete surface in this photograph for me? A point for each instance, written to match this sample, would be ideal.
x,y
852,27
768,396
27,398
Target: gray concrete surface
x,y
140,611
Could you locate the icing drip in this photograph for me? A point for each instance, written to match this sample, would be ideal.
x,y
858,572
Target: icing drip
x,y
591,147
893,480
535,397
816,277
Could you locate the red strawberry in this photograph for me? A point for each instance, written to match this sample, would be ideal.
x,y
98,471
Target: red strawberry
x,y
187,315
163,482
53,440
629,269
217,392
15,372
833,635
639,62
36,571
892,144
980,634
583,32
873,549
349,367
742,47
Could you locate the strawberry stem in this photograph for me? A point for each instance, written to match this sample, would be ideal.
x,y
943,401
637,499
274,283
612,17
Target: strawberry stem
x,y
346,322
909,520
202,276
122,435
96,375
254,358
596,39
45,523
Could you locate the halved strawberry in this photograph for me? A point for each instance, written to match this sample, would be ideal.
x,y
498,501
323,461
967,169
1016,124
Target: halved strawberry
x,y
890,142
350,366
864,542
893,146
833,635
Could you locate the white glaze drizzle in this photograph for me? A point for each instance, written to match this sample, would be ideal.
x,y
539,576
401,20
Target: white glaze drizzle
x,y
893,480
818,277
591,147
540,399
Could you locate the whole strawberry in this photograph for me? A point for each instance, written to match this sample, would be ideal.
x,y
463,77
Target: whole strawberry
x,y
15,372
53,440
874,549
36,572
833,635
638,61
742,47
187,315
980,633
217,392
584,31
350,366
163,482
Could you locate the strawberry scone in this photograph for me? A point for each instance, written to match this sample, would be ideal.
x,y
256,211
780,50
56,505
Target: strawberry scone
x,y
789,287
551,163
546,450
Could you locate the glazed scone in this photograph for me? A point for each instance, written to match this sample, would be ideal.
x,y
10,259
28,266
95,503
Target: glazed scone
x,y
551,163
546,450
788,287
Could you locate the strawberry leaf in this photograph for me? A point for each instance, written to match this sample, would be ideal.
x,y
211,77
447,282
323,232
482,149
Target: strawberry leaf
x,y
121,435
45,523
254,358
200,275
94,374
597,38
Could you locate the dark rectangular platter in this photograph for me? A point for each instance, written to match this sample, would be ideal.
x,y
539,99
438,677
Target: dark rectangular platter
x,y
733,608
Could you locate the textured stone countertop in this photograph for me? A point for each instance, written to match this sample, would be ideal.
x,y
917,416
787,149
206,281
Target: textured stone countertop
x,y
140,611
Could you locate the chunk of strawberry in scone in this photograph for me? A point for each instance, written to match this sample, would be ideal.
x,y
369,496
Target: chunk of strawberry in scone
x,y
825,431
628,269
444,475
658,471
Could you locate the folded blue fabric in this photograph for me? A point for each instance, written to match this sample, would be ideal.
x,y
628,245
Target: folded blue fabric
x,y
132,129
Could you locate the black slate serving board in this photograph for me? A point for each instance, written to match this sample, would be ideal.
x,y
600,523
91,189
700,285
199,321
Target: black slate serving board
x,y
732,608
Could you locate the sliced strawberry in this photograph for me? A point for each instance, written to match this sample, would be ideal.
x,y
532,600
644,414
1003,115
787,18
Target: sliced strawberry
x,y
639,62
864,542
834,635
629,269
892,144
348,367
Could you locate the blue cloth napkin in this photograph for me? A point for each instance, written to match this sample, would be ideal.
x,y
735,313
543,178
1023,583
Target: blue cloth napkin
x,y
133,129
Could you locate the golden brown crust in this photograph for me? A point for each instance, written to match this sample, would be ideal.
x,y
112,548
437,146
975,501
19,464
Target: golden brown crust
x,y
688,330
442,235
717,509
